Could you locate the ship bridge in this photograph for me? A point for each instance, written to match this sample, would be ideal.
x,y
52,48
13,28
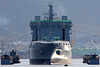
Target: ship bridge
x,y
51,30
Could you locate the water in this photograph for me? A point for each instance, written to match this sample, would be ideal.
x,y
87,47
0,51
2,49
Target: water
x,y
78,53
75,63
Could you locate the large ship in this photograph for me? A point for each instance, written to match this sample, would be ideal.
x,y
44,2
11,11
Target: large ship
x,y
50,39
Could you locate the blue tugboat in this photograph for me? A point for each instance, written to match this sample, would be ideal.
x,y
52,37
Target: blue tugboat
x,y
91,59
10,59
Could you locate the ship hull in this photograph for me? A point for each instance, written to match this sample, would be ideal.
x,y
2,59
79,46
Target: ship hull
x,y
47,54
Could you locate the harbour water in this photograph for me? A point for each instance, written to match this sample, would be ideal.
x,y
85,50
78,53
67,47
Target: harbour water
x,y
79,50
75,63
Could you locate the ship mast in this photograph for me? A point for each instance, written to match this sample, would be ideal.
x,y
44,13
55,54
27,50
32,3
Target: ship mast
x,y
50,13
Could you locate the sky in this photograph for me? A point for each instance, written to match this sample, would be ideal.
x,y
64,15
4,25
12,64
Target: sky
x,y
15,15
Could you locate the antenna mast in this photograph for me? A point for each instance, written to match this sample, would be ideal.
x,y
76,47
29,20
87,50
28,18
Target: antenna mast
x,y
50,14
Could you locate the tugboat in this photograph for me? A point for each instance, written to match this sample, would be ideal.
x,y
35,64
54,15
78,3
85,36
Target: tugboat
x,y
10,59
50,40
92,59
6,60
14,56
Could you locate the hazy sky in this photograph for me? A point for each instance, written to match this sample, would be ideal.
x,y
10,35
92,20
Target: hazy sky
x,y
85,14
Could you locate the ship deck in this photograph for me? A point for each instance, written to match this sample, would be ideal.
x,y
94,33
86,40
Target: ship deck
x,y
75,63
